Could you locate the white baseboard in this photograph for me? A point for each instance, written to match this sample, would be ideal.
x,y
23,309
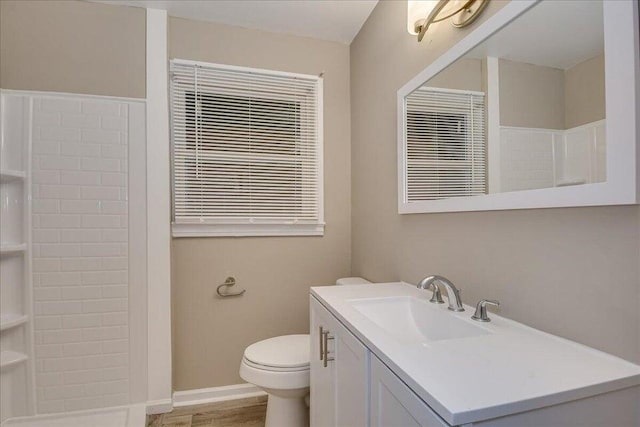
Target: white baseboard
x,y
161,406
215,394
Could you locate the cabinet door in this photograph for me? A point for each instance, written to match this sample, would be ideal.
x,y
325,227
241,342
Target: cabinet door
x,y
339,391
393,404
322,406
351,387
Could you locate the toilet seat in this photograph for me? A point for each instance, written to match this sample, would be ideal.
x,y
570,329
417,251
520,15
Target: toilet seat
x,y
272,381
274,368
284,353
277,364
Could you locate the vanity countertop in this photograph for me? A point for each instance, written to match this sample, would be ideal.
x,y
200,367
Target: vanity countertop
x,y
510,368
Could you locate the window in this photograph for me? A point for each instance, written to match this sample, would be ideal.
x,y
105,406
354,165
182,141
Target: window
x,y
445,149
246,151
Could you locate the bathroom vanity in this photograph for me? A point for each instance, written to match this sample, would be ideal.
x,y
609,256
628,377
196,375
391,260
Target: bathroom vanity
x,y
382,355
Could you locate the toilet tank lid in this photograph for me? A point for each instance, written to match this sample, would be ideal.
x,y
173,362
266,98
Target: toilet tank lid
x,y
352,281
287,351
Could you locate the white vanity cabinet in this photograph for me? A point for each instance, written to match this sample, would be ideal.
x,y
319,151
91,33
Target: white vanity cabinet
x,y
355,388
351,386
339,389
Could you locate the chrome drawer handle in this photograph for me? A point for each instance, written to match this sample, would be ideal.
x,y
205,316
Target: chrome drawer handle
x,y
325,352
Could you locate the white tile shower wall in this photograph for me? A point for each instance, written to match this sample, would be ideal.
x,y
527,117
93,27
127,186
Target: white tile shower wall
x,y
526,159
543,158
583,153
80,244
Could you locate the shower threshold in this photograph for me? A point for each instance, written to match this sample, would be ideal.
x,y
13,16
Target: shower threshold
x,y
120,416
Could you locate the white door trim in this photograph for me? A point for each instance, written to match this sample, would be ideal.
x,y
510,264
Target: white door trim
x,y
158,213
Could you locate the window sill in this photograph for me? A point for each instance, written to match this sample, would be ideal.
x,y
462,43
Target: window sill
x,y
246,230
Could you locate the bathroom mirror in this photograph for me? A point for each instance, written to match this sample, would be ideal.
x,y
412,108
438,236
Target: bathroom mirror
x,y
537,107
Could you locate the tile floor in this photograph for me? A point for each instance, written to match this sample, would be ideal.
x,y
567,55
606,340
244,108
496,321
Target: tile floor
x,y
248,412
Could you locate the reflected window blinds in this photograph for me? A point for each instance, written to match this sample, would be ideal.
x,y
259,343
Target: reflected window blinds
x,y
247,150
445,144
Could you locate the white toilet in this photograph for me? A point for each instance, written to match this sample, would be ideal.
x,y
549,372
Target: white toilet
x,y
280,366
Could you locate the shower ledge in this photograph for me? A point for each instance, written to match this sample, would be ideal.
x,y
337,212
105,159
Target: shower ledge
x,y
10,358
9,248
12,320
8,175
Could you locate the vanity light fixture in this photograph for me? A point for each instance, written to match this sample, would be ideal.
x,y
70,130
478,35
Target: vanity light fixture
x,y
422,13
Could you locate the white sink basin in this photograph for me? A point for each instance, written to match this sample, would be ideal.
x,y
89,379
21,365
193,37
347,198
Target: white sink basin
x,y
416,321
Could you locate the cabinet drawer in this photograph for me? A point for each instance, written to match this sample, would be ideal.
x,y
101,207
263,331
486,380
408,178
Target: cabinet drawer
x,y
393,404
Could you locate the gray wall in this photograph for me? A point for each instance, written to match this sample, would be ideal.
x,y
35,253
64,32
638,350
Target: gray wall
x,y
531,96
464,74
91,48
584,93
72,46
572,272
550,98
210,334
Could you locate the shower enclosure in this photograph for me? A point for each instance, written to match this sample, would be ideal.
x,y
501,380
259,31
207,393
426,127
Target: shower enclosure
x,y
73,257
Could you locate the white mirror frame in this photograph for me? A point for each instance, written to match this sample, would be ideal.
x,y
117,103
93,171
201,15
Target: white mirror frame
x,y
622,89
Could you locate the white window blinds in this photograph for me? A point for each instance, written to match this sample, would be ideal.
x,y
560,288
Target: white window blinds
x,y
445,149
247,151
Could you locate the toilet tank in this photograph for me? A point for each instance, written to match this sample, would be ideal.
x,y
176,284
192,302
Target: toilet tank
x,y
351,281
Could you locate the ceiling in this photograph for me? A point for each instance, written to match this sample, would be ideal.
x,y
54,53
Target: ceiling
x,y
334,20
558,34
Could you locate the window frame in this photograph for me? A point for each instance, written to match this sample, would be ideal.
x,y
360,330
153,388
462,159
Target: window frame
x,y
254,227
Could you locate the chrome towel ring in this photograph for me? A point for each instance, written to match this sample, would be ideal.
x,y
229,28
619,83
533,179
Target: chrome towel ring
x,y
229,281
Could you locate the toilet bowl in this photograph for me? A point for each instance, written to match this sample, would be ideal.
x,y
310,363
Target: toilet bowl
x,y
280,367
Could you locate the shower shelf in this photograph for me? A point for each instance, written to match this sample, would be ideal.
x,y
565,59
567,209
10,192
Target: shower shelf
x,y
10,248
17,360
8,175
10,358
12,320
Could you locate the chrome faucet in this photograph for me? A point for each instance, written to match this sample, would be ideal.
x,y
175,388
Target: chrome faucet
x,y
453,294
481,310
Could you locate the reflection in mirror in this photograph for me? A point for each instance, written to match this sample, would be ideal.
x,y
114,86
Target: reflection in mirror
x,y
523,110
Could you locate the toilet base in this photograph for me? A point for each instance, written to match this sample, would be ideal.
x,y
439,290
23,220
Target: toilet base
x,y
287,412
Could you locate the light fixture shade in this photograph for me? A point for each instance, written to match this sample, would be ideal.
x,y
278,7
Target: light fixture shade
x,y
418,10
